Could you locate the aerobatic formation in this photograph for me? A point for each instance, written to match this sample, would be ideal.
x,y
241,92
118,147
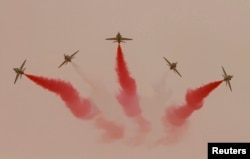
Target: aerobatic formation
x,y
174,118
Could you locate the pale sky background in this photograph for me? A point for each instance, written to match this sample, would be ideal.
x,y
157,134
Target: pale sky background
x,y
202,35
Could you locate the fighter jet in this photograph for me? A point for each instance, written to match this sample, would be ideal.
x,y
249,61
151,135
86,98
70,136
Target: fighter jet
x,y
227,78
119,38
68,58
172,66
19,71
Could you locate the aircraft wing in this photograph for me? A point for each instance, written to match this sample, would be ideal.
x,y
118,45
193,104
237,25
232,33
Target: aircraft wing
x,y
64,62
17,75
229,84
74,54
169,63
224,71
22,64
177,72
126,39
111,39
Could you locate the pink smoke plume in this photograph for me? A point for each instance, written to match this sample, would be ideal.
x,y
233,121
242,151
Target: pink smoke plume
x,y
194,101
80,107
112,130
128,97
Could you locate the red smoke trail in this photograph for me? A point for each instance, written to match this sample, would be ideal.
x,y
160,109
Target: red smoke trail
x,y
128,97
194,101
80,107
127,83
176,116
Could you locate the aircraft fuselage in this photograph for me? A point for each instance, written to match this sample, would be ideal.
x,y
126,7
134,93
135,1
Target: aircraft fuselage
x,y
67,58
173,65
119,37
228,78
17,70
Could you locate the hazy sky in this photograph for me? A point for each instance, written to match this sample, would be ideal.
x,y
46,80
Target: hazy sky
x,y
201,35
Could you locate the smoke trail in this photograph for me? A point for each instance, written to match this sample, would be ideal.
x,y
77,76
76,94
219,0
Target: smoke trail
x,y
128,97
143,130
161,92
194,101
84,78
176,116
112,130
80,107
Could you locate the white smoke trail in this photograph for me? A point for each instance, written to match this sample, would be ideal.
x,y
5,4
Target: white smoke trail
x,y
83,76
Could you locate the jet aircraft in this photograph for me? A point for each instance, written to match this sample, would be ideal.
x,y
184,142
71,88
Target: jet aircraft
x,y
172,66
68,58
119,38
19,71
227,78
